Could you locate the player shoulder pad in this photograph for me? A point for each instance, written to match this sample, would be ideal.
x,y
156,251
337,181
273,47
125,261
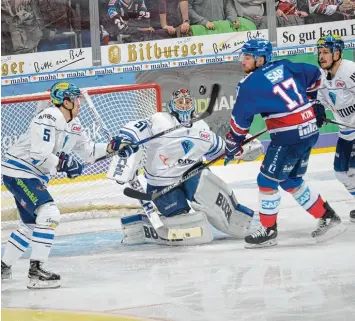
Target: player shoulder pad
x,y
51,116
162,121
201,125
349,69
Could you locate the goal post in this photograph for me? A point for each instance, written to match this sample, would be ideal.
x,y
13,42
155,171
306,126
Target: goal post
x,y
91,191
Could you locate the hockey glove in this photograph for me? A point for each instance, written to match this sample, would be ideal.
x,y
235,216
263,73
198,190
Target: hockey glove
x,y
69,165
124,146
233,147
319,111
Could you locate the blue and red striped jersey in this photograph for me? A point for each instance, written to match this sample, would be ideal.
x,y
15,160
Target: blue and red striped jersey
x,y
278,91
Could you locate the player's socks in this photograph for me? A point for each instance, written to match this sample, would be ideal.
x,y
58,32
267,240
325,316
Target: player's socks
x,y
16,245
352,216
6,272
262,237
39,278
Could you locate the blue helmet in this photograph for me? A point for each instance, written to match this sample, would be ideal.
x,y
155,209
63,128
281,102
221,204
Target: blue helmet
x,y
62,90
182,106
333,42
258,48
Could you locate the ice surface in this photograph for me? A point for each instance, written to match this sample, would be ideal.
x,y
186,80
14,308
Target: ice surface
x,y
297,280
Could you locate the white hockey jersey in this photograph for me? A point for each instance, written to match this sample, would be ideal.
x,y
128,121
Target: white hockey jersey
x,y
339,94
35,154
170,156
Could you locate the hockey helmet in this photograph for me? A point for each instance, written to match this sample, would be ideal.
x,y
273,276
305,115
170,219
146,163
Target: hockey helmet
x,y
61,90
258,48
333,42
182,106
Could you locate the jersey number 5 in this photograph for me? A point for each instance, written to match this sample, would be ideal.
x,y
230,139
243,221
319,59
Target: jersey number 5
x,y
47,135
287,84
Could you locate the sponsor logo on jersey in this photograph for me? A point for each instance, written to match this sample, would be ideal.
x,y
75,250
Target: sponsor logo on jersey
x,y
164,159
186,161
223,203
307,130
304,163
332,97
205,135
47,116
275,75
23,203
187,145
41,188
340,84
308,114
347,111
270,205
76,128
352,77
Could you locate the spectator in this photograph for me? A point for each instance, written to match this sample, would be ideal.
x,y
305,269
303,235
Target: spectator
x,y
174,24
204,12
58,17
331,10
23,20
132,20
288,14
252,10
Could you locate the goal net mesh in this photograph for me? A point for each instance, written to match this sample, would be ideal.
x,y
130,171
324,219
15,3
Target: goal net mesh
x,y
116,105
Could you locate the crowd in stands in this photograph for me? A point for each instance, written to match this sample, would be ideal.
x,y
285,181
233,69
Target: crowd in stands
x,y
43,25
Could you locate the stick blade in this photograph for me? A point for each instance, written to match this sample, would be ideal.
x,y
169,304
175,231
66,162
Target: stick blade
x,y
132,193
216,88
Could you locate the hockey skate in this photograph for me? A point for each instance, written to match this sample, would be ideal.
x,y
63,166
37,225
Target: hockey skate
x,y
329,225
6,272
40,278
352,216
262,237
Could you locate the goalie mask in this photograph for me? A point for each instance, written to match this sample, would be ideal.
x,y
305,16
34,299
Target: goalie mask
x,y
182,106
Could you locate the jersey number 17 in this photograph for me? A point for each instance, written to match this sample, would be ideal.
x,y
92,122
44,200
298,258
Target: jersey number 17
x,y
280,88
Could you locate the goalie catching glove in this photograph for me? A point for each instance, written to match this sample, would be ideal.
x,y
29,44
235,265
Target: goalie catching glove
x,y
124,146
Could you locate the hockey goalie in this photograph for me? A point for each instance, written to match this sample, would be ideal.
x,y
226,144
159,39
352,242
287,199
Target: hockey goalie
x,y
167,159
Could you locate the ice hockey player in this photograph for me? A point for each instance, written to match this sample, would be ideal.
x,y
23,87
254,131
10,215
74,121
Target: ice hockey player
x,y
281,99
170,157
42,151
338,92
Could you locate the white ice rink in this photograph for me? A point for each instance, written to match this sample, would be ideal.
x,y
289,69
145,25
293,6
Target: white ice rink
x,y
296,280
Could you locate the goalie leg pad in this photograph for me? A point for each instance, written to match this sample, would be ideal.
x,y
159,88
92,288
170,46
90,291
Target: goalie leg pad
x,y
137,230
215,198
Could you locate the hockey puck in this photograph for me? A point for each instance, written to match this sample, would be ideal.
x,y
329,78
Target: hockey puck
x,y
202,90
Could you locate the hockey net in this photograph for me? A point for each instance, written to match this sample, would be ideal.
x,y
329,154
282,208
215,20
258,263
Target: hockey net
x,y
91,194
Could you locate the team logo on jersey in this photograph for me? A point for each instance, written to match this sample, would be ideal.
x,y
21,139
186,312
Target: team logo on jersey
x,y
164,159
187,145
332,97
205,135
76,128
340,84
275,75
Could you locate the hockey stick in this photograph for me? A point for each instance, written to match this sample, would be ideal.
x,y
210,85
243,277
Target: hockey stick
x,y
147,206
339,123
152,196
214,95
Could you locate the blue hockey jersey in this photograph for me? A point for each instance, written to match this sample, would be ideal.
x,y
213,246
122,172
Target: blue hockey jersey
x,y
278,91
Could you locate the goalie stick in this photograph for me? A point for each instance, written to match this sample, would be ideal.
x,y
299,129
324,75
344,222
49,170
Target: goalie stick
x,y
152,196
214,95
